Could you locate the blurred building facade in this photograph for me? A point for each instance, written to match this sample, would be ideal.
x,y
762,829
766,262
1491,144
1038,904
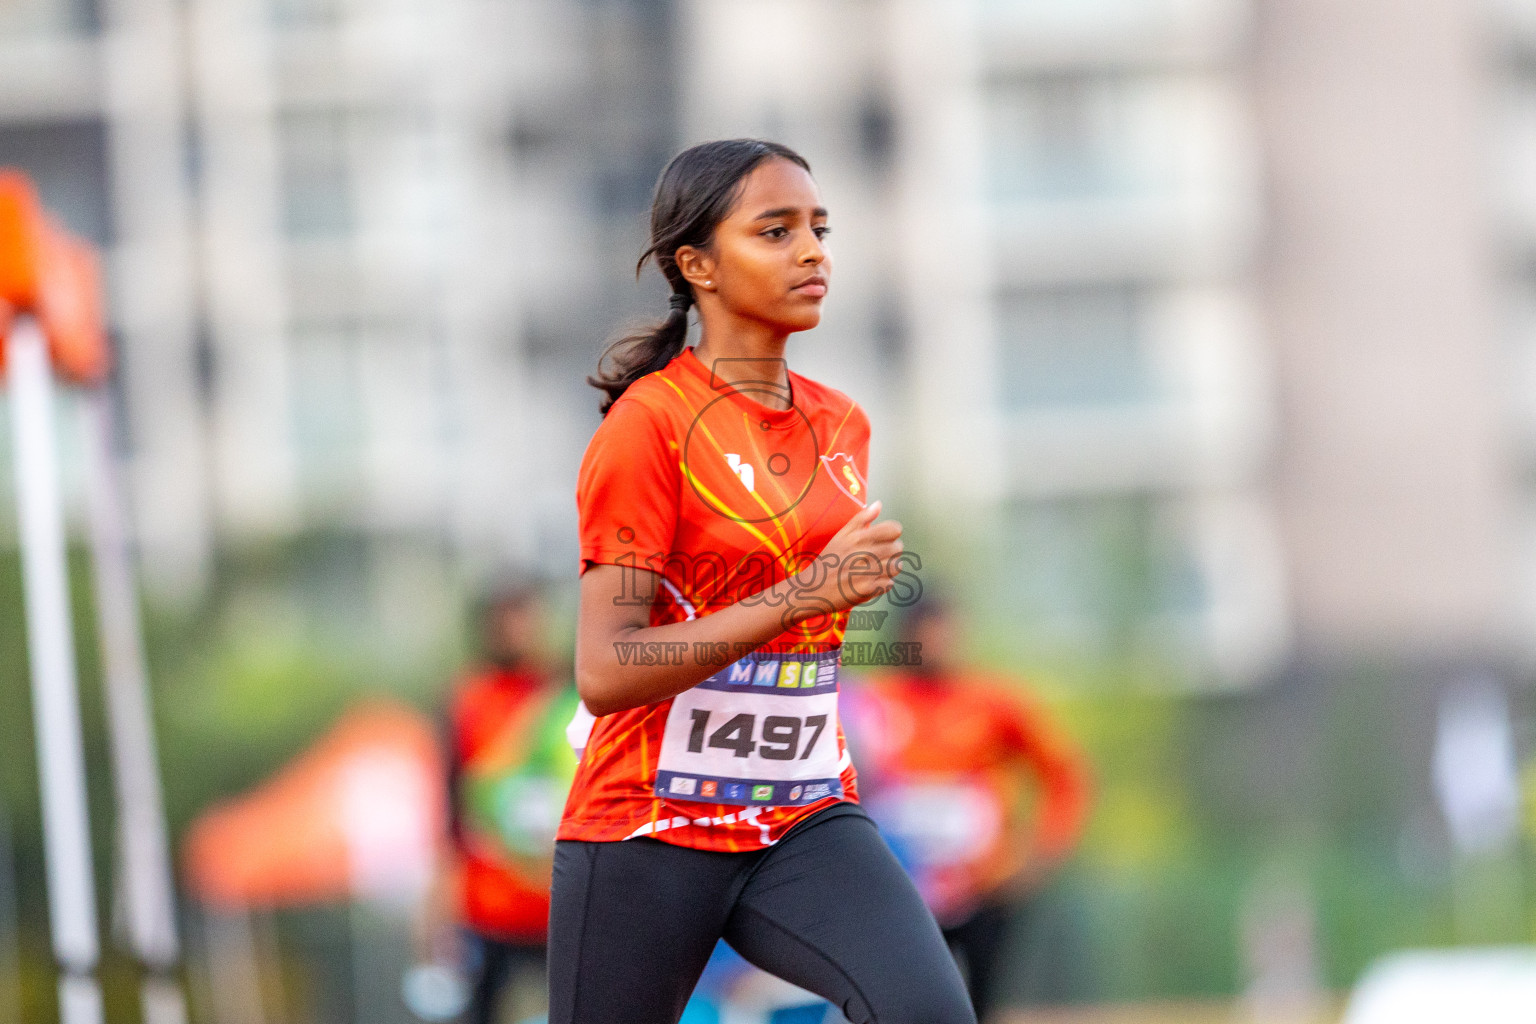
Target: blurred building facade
x,y
1082,209
350,245
1211,319
1384,286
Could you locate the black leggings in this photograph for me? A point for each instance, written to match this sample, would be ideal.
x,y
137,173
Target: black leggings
x,y
978,940
828,908
492,963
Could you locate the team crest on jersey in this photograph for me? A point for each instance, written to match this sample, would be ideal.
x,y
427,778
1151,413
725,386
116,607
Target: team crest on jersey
x,y
846,476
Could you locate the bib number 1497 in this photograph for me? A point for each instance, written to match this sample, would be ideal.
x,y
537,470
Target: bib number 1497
x,y
761,732
779,739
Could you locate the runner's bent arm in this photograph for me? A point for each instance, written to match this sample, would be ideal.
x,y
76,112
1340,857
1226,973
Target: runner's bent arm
x,y
1062,772
605,622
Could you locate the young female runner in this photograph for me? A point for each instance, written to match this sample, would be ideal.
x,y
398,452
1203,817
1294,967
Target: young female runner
x,y
725,532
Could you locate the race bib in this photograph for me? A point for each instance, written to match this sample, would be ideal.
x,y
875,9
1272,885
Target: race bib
x,y
760,732
937,824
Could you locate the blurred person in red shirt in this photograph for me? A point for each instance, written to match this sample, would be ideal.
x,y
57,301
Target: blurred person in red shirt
x,y
510,767
977,790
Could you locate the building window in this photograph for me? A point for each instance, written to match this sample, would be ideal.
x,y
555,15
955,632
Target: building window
x,y
305,13
327,413
1061,136
317,185
48,17
1516,157
1520,334
1105,571
1072,345
877,132
68,162
1093,15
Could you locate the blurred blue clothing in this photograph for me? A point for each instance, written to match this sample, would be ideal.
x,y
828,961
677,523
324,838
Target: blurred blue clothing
x,y
725,969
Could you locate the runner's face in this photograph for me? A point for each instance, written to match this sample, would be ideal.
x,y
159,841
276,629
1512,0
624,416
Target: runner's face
x,y
938,637
769,255
518,633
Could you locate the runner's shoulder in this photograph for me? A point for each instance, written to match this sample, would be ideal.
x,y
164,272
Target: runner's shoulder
x,y
814,394
1000,696
656,399
472,686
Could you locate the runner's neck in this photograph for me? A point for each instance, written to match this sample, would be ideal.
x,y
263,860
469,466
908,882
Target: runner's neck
x,y
761,366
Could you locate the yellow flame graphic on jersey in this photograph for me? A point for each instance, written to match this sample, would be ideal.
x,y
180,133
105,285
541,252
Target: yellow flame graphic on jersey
x,y
853,481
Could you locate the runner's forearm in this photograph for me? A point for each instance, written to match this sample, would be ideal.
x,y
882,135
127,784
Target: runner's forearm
x,y
639,665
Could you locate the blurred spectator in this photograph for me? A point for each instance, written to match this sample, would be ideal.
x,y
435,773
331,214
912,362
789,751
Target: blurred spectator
x,y
510,767
979,793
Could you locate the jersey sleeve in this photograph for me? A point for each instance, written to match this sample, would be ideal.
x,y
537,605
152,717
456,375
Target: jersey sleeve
x,y
628,490
1060,766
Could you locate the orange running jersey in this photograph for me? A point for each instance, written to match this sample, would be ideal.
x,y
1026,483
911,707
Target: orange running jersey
x,y
510,770
723,496
950,762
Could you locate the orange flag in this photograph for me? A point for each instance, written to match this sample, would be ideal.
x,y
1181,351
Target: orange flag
x,y
48,272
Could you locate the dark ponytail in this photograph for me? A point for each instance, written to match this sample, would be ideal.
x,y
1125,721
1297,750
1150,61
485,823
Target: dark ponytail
x,y
693,195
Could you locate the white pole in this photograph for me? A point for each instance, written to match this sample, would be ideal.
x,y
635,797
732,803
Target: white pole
x,y
146,866
55,699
